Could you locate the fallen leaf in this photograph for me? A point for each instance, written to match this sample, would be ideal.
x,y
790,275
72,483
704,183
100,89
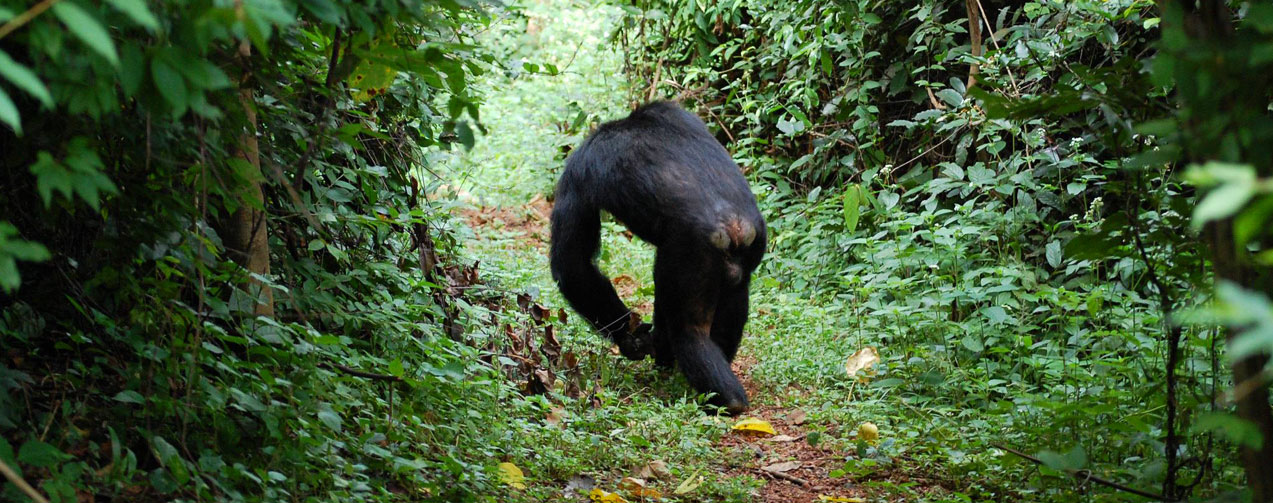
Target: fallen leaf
x,y
782,438
656,469
868,432
689,484
555,415
782,467
753,426
636,488
797,417
512,475
862,361
599,495
840,499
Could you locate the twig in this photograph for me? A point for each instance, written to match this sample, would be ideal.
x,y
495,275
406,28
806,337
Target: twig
x,y
933,99
358,373
993,40
25,17
21,484
922,154
789,478
1085,475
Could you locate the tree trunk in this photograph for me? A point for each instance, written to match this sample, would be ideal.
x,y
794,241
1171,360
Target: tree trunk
x,y
1253,405
248,239
1209,26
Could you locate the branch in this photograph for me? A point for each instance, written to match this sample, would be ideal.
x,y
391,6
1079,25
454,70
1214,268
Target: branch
x,y
25,17
974,35
1085,475
21,484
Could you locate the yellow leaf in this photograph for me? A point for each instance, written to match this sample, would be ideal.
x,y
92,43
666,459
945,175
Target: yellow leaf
x,y
689,484
753,426
861,362
512,475
636,488
371,79
599,495
869,433
840,499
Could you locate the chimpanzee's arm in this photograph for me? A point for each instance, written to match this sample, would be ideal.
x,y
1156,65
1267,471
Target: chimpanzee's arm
x,y
576,237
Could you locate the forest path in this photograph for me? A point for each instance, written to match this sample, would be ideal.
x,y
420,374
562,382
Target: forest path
x,y
791,360
790,466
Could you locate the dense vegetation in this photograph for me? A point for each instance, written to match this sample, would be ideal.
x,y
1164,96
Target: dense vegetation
x,y
247,251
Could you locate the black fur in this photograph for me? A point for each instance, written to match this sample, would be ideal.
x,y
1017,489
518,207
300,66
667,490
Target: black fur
x,y
661,173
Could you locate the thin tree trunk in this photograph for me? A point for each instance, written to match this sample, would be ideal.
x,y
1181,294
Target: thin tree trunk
x,y
248,241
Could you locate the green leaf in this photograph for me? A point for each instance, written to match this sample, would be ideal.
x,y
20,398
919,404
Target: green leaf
x,y
129,396
170,84
1235,429
9,113
25,79
465,133
395,368
41,455
330,419
138,12
951,97
1222,202
852,207
86,27
1053,253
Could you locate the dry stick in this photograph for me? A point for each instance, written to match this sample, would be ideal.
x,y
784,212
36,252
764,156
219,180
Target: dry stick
x,y
21,484
25,17
1084,475
789,478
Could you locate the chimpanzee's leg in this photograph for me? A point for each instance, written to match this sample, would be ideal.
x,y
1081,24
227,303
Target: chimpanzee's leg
x,y
686,287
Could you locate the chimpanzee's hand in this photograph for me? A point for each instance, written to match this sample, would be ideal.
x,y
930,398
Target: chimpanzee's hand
x,y
638,343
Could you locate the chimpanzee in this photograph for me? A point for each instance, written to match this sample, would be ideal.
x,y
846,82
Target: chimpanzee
x,y
661,173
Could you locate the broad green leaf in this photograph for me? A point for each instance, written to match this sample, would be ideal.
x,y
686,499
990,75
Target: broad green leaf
x,y
951,97
465,133
1234,428
973,344
9,113
85,26
41,455
25,79
137,10
1053,253
129,396
1222,202
852,207
330,419
170,84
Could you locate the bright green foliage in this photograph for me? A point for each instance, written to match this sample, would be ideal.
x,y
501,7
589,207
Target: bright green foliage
x,y
1018,247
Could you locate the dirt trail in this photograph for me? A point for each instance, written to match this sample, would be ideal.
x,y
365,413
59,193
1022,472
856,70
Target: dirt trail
x,y
793,470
